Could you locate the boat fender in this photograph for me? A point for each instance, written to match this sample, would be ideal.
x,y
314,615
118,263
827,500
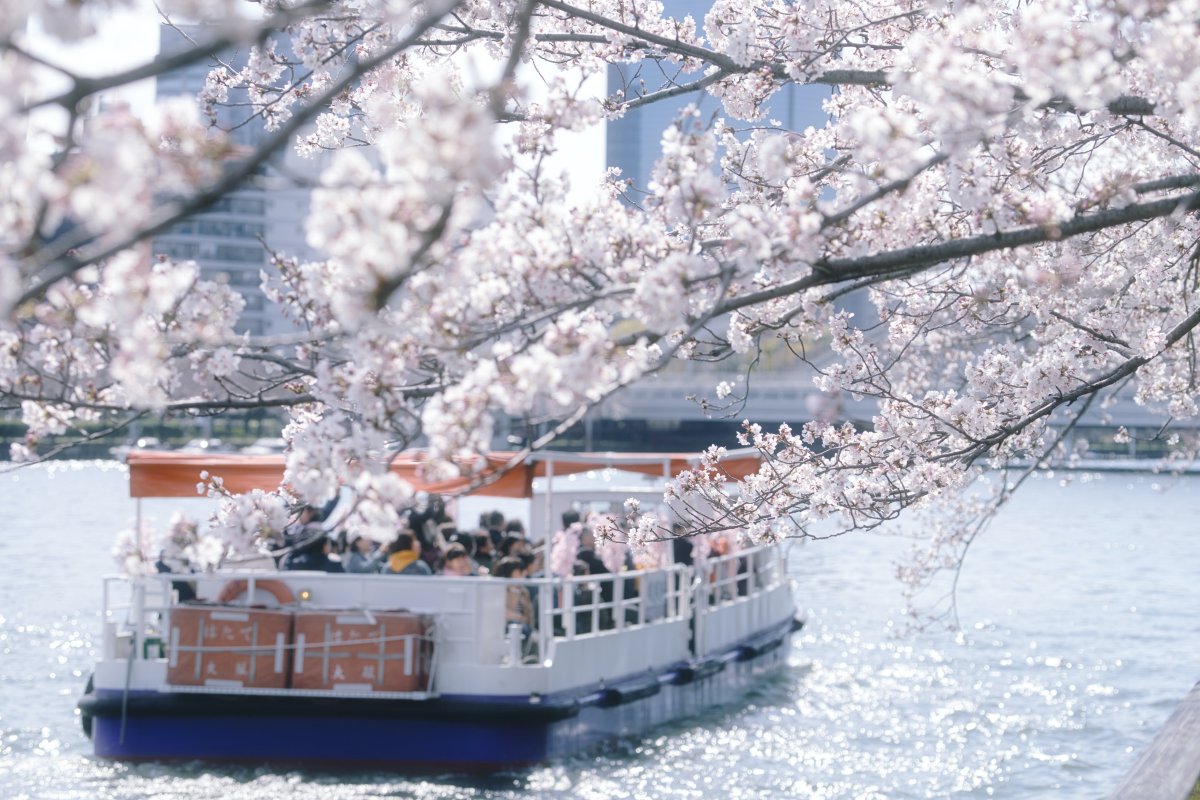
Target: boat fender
x,y
698,671
774,644
605,698
620,695
85,706
747,652
234,589
639,691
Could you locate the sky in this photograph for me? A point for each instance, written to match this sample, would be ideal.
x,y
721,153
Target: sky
x,y
128,37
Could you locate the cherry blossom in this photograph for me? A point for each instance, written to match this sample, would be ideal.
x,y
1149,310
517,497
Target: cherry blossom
x,y
564,548
1011,188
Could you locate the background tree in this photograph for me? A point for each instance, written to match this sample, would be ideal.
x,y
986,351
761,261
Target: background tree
x,y
1015,185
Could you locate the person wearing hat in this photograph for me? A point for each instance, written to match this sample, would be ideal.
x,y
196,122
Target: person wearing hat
x,y
457,563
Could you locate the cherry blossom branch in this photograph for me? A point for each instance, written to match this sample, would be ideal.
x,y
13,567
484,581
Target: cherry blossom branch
x,y
908,260
74,441
85,87
1047,407
898,185
673,45
60,262
674,91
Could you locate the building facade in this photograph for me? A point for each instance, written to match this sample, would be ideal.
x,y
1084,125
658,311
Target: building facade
x,y
232,239
675,410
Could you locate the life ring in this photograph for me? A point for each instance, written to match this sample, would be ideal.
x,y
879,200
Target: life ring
x,y
234,589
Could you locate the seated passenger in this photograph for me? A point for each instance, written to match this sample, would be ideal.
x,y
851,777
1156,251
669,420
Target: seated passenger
x,y
456,563
186,590
518,607
484,555
404,557
313,556
365,556
305,525
514,546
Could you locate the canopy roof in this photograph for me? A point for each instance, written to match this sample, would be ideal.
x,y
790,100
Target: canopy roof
x,y
169,474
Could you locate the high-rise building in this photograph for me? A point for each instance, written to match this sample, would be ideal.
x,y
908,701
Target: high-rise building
x,y
634,142
230,239
666,410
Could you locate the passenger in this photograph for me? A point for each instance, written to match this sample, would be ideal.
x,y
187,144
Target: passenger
x,y
185,590
721,574
468,543
461,537
404,557
518,606
494,524
425,521
484,554
440,539
514,546
312,556
365,556
535,562
306,516
457,563
304,530
535,568
587,553
681,544
584,596
595,566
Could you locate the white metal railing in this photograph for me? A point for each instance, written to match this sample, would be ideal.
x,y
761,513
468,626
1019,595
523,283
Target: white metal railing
x,y
726,578
738,583
567,609
588,605
135,625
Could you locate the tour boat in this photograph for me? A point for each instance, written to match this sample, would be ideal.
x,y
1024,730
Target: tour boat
x,y
422,673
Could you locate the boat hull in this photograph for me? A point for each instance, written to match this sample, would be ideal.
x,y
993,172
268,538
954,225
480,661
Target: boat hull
x,y
445,734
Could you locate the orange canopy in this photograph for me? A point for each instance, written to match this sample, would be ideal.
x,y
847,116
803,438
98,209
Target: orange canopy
x,y
166,474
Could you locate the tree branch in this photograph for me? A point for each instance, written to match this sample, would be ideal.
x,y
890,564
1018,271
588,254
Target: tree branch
x,y
61,263
85,86
908,260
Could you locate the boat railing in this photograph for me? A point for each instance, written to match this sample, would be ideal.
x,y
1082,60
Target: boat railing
x,y
723,579
735,592
469,612
134,620
590,605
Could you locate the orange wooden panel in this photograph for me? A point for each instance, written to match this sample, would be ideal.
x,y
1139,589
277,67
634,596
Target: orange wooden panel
x,y
229,646
387,651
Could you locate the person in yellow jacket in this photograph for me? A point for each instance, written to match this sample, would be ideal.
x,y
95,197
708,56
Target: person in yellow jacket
x,y
405,557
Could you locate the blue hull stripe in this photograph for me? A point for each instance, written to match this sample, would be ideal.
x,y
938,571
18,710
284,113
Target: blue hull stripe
x,y
445,734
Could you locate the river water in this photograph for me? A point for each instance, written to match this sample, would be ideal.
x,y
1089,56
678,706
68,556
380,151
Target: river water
x,y
1080,615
